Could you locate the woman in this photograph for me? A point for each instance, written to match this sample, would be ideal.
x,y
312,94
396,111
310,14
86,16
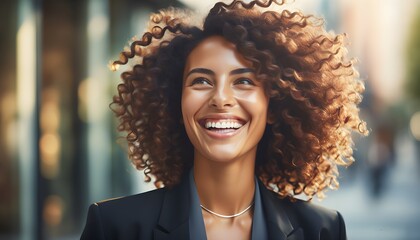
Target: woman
x,y
232,120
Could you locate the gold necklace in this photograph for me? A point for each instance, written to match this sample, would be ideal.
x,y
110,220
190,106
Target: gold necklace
x,y
227,216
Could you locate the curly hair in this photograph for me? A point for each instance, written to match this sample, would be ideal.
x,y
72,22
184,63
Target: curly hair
x,y
313,89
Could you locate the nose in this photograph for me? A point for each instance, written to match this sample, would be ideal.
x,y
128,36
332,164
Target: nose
x,y
223,97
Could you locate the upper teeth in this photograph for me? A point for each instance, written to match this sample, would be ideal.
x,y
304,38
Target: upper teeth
x,y
223,125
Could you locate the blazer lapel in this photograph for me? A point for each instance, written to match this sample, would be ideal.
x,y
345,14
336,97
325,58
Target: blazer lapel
x,y
279,225
173,219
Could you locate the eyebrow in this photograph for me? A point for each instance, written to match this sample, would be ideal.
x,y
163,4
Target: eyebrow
x,y
201,70
241,70
210,72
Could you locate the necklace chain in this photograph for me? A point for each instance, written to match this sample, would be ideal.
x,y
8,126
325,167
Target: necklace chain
x,y
227,216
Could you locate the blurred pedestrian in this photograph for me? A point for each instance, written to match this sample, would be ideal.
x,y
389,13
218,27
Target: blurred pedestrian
x,y
381,156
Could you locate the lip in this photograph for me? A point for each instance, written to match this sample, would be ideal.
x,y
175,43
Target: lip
x,y
223,134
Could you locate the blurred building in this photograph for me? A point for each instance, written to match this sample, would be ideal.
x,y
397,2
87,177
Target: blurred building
x,y
58,139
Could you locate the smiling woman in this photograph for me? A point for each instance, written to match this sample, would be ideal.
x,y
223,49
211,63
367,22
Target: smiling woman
x,y
233,119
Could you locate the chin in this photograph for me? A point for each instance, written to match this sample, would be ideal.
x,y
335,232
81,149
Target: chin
x,y
224,154
221,158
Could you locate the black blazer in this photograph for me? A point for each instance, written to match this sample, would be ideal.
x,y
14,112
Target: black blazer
x,y
163,214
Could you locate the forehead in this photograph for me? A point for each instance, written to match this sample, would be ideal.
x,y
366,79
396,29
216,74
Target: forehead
x,y
217,54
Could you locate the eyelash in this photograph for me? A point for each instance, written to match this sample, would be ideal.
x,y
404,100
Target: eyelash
x,y
205,81
201,80
241,80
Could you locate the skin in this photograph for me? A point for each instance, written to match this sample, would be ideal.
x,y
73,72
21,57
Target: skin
x,y
219,86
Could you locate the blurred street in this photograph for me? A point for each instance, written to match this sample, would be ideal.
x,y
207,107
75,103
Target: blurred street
x,y
395,214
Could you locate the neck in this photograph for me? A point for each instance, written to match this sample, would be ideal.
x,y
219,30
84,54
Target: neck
x,y
225,188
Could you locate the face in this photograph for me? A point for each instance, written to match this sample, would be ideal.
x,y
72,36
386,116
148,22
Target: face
x,y
224,106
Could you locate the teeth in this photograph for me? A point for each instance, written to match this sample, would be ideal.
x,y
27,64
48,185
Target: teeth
x,y
223,125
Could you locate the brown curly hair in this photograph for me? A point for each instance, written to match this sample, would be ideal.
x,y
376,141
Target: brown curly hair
x,y
314,93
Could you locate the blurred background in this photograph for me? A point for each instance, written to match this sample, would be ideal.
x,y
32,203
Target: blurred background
x,y
59,150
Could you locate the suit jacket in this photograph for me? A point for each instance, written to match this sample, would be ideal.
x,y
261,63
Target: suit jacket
x,y
163,214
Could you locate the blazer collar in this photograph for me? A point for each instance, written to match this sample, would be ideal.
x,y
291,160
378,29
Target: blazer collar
x,y
279,225
173,219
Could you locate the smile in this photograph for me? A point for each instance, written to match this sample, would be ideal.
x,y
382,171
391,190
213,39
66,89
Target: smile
x,y
223,127
222,124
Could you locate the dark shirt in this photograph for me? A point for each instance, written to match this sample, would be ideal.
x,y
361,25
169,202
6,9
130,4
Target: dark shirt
x,y
196,222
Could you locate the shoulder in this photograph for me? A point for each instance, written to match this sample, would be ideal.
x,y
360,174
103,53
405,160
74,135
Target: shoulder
x,y
316,220
124,216
312,212
313,220
130,204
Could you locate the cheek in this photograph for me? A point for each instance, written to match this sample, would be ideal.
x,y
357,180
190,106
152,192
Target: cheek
x,y
256,103
190,104
185,104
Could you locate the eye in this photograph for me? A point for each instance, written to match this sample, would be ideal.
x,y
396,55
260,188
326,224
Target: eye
x,y
201,81
244,81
